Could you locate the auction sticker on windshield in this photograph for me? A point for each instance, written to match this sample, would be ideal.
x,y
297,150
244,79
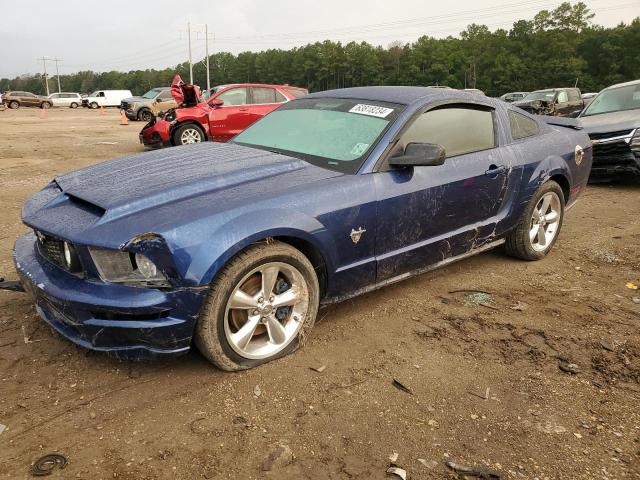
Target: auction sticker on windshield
x,y
371,110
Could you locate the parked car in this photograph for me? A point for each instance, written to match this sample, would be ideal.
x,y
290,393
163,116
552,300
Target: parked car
x,y
335,194
106,98
474,90
588,97
612,121
513,96
65,99
228,111
17,99
149,105
562,102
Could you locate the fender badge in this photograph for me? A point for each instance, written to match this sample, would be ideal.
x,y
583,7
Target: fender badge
x,y
579,154
356,234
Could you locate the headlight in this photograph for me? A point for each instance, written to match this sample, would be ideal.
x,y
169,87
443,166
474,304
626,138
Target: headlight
x,y
123,267
635,141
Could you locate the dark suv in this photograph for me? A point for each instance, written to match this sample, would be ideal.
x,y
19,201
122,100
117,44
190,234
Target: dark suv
x,y
25,99
561,102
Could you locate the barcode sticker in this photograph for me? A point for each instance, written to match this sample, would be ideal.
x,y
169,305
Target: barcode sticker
x,y
371,110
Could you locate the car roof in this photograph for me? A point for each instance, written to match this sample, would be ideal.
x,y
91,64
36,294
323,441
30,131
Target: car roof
x,y
625,84
256,85
401,95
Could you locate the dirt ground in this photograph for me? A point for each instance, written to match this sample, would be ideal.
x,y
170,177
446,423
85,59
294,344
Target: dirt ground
x,y
182,418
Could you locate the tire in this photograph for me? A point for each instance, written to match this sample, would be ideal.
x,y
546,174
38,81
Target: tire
x,y
73,105
94,105
14,104
533,239
145,115
271,331
187,134
45,105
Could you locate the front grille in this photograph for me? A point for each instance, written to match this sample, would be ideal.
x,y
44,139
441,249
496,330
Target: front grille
x,y
124,106
52,249
602,136
614,153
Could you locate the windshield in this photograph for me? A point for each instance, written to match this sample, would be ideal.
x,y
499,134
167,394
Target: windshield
x,y
546,95
153,93
329,132
615,100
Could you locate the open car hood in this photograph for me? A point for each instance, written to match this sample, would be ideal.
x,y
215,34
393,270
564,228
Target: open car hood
x,y
185,94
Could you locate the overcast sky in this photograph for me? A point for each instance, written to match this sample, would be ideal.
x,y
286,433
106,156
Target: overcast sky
x,y
138,34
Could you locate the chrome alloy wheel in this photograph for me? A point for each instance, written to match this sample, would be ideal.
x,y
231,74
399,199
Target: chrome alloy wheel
x,y
190,135
545,221
266,310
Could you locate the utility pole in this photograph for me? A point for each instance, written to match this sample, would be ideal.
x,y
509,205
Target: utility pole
x,y
206,36
58,73
44,67
190,64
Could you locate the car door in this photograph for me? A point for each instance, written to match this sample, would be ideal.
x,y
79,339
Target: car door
x,y
29,99
429,214
264,100
232,117
562,103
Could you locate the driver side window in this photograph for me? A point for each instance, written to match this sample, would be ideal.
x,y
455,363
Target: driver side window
x,y
459,129
234,97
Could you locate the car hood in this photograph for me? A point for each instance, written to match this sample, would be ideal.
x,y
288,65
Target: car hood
x,y
611,122
137,99
152,179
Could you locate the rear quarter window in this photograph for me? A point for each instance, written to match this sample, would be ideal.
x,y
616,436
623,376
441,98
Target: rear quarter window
x,y
297,92
522,126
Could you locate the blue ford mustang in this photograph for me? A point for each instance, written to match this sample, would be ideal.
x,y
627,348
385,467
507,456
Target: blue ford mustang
x,y
235,246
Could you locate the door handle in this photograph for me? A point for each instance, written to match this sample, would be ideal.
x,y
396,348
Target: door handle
x,y
244,109
495,170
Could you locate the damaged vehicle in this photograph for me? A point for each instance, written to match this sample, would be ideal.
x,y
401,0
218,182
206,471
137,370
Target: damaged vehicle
x,y
233,247
561,102
227,111
612,121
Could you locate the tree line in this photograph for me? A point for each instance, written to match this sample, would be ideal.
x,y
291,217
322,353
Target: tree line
x,y
557,48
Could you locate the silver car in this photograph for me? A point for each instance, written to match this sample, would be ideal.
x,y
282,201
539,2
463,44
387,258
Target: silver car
x,y
65,99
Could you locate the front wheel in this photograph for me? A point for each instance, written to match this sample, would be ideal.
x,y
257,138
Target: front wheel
x,y
94,105
45,105
539,226
145,115
261,306
188,134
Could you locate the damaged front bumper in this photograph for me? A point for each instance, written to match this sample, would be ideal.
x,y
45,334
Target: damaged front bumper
x,y
130,322
156,134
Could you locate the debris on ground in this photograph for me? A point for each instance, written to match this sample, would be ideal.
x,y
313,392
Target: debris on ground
x,y
12,286
635,299
106,143
568,367
401,387
257,391
398,472
519,307
45,465
477,472
478,298
631,286
608,346
479,395
393,458
279,458
429,464
319,369
2,428
26,337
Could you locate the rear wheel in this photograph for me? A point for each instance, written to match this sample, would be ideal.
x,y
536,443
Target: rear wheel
x,y
73,105
188,134
45,105
539,225
14,104
261,306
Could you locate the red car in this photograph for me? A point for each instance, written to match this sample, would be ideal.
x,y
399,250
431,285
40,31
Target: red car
x,y
228,111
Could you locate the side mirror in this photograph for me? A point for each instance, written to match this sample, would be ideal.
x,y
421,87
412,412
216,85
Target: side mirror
x,y
419,155
216,102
